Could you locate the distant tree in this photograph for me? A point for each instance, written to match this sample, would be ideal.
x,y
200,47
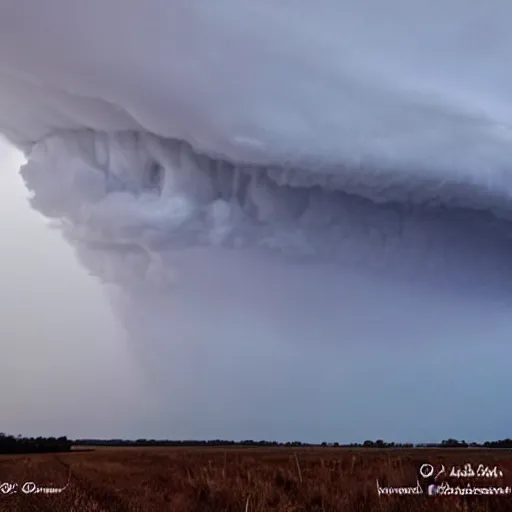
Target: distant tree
x,y
19,444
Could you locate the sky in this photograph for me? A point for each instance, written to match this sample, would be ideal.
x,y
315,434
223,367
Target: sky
x,y
64,359
68,367
256,240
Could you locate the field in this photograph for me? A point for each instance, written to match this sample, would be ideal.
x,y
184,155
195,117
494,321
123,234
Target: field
x,y
244,479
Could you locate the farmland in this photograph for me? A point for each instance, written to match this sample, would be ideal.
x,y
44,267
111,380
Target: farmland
x,y
243,479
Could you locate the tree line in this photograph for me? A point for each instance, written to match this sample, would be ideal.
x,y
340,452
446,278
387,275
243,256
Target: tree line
x,y
19,444
10,444
446,443
379,443
190,442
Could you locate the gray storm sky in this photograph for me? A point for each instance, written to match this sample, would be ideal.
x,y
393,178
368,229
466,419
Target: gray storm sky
x,y
66,368
242,346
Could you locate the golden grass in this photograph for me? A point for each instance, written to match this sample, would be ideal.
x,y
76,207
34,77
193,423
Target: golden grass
x,y
241,479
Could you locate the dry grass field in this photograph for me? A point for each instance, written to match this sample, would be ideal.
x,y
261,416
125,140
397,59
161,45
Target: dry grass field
x,y
243,479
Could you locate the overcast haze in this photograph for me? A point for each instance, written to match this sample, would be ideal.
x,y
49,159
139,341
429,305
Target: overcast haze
x,y
245,225
64,360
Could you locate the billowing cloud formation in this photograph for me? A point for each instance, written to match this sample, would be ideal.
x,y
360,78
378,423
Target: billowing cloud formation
x,y
125,198
307,175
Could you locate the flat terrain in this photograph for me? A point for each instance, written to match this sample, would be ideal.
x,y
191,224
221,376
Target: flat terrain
x,y
244,479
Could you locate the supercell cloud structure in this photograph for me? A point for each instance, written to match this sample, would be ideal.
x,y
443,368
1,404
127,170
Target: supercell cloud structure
x,y
245,176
